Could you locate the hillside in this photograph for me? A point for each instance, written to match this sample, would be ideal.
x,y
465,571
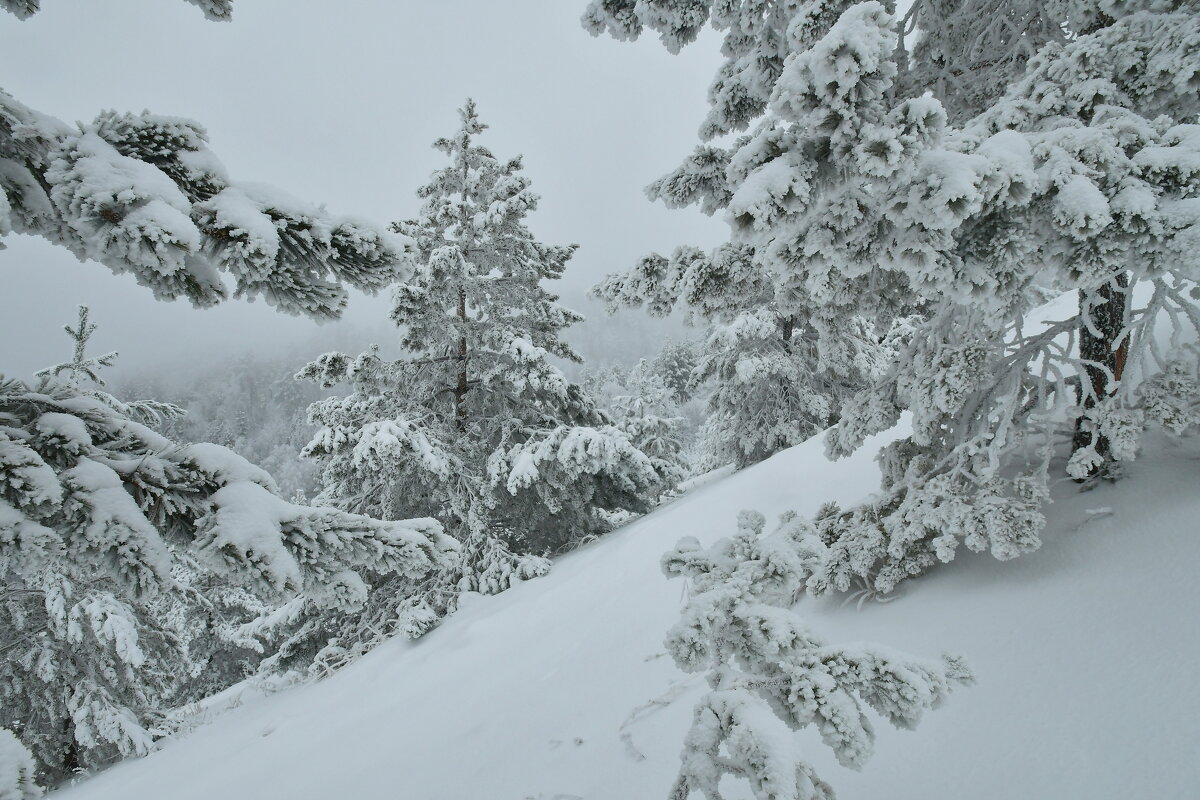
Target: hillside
x,y
1085,654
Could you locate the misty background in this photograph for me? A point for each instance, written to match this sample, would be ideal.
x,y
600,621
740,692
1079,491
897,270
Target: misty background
x,y
338,104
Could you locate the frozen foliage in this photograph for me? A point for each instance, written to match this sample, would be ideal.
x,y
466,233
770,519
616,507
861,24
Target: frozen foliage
x,y
474,425
675,366
771,676
1079,180
769,386
650,414
968,51
647,410
861,200
108,532
143,194
17,769
965,51
755,45
1067,166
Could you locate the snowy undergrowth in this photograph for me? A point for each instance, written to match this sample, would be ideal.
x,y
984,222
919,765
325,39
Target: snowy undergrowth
x,y
561,688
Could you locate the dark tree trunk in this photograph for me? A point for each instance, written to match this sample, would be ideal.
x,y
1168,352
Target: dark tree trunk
x,y
70,761
1107,313
460,391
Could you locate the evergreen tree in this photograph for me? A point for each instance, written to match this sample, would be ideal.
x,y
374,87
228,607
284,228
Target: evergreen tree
x,y
675,365
97,512
1074,181
111,533
647,411
475,425
1066,166
772,386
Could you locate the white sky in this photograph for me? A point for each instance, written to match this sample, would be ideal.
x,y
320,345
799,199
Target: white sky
x,y
337,102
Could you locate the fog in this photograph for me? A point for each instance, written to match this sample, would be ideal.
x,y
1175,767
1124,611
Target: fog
x,y
338,103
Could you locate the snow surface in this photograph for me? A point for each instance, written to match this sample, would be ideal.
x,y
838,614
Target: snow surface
x,y
1085,654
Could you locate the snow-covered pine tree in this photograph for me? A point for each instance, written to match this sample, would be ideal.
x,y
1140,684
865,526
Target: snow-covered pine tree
x,y
96,510
1080,180
647,411
1075,182
675,365
474,425
770,676
781,356
1083,183
143,194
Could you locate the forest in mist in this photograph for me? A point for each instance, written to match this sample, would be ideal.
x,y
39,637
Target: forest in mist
x,y
596,399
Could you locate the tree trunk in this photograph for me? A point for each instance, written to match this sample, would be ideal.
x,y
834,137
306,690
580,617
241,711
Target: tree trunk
x,y
1107,314
70,762
460,391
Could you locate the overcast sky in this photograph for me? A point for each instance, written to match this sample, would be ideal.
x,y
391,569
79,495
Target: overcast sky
x,y
337,103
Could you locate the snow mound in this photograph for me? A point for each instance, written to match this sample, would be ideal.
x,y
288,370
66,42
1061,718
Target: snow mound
x,y
561,688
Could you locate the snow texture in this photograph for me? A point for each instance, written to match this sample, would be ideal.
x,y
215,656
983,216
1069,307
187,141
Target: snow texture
x,y
536,683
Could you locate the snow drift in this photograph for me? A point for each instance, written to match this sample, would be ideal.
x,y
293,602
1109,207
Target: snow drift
x,y
560,688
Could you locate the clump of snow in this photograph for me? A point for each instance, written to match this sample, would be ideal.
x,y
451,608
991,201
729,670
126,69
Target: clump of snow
x,y
69,428
388,441
122,209
226,466
244,529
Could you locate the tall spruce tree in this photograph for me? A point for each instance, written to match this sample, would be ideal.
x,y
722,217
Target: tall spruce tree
x,y
474,425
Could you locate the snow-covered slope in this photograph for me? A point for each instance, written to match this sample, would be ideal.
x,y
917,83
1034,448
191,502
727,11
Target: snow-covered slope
x,y
1086,655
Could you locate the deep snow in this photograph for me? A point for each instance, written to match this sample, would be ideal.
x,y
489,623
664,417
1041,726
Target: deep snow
x,y
1086,655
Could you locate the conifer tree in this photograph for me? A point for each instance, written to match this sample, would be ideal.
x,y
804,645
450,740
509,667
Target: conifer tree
x,y
647,411
474,425
675,365
1065,167
107,528
1073,181
97,513
771,385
